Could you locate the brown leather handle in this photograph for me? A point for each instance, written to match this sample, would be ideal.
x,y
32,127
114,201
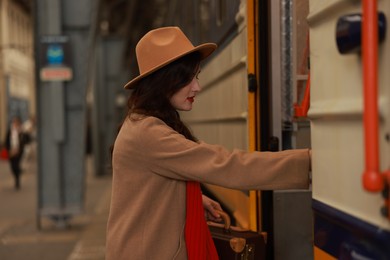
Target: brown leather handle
x,y
226,219
226,223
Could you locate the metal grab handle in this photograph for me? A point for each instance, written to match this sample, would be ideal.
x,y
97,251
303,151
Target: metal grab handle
x,y
372,179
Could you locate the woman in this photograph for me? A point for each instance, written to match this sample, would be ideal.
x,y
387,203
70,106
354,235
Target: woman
x,y
156,206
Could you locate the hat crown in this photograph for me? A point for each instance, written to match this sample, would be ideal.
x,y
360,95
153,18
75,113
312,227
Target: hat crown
x,y
161,45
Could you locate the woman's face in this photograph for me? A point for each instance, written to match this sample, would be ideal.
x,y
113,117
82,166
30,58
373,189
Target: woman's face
x,y
182,100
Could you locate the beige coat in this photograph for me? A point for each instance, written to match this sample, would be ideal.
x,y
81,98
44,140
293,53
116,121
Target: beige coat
x,y
151,164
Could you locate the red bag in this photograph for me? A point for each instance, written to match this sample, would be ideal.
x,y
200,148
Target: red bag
x,y
4,154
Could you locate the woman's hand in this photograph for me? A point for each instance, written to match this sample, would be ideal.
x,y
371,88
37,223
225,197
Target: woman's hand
x,y
210,206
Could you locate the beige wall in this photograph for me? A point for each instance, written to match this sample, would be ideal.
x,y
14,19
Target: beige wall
x,y
336,115
16,58
220,112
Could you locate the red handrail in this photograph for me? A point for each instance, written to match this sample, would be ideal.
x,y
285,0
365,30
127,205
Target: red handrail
x,y
372,179
302,109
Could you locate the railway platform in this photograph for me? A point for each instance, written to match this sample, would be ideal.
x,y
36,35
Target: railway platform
x,y
20,237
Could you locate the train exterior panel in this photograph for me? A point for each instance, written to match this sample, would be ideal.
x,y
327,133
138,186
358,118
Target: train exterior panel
x,y
220,114
349,223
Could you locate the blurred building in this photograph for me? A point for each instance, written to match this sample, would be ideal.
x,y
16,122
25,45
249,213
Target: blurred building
x,y
17,79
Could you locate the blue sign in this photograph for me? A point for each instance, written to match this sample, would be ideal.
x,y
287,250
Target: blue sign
x,y
55,57
55,54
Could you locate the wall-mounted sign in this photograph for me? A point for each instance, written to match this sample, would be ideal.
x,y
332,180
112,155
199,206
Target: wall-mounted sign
x,y
55,58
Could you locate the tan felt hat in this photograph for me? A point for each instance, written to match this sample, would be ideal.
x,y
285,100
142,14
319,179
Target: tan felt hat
x,y
162,46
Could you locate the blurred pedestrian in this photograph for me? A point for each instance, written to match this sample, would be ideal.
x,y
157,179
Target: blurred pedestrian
x,y
157,209
15,143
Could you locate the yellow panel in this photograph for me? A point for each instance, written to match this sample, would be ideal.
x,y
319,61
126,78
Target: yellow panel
x,y
252,108
322,255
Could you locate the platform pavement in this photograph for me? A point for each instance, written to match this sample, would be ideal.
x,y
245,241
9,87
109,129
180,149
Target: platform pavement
x,y
20,237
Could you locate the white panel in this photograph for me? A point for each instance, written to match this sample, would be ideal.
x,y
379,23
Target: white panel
x,y
220,109
336,114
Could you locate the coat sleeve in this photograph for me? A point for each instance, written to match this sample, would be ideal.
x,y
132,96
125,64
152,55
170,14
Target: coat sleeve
x,y
169,154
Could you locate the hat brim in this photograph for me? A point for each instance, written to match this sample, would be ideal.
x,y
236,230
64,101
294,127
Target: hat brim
x,y
205,50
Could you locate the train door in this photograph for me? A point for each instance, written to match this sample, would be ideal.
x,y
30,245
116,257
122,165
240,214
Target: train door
x,y
221,113
283,78
240,106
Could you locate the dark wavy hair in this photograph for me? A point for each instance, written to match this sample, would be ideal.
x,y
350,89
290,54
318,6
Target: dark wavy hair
x,y
151,96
